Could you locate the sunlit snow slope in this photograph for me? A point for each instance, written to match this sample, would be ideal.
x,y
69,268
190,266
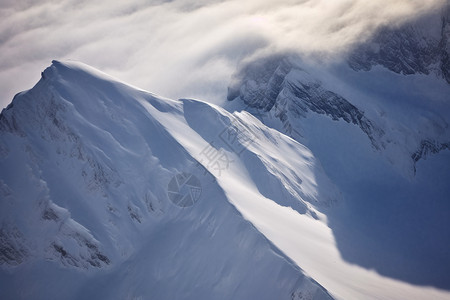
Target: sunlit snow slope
x,y
87,201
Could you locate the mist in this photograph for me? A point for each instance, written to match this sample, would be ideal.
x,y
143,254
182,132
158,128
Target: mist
x,y
182,48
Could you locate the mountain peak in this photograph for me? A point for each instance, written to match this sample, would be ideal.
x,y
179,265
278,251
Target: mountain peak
x,y
71,67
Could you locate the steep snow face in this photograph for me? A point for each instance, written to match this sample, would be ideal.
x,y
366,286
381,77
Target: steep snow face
x,y
92,173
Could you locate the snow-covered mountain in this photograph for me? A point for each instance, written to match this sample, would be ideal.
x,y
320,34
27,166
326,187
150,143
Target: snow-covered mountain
x,y
327,182
86,209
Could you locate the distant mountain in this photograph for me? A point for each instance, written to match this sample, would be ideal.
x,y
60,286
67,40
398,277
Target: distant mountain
x,y
419,47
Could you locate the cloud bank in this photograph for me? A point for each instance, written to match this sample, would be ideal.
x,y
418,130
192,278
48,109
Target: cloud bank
x,y
181,48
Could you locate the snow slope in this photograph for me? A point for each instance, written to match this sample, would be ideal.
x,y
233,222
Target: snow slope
x,y
86,210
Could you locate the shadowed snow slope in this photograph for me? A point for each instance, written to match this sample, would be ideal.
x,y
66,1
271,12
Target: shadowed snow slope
x,y
87,168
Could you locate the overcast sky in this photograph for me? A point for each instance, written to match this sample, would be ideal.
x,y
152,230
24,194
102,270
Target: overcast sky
x,y
180,48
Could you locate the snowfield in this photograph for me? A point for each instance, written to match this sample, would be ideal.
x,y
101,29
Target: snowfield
x,y
85,212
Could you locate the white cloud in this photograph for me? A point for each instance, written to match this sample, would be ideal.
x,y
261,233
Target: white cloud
x,y
180,48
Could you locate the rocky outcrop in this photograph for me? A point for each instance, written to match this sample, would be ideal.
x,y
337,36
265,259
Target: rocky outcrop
x,y
313,97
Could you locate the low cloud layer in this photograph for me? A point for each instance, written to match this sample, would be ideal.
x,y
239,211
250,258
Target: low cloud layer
x,y
181,48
